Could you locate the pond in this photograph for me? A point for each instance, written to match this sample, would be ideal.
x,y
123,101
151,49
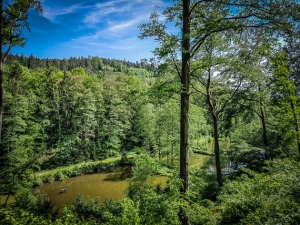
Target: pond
x,y
110,184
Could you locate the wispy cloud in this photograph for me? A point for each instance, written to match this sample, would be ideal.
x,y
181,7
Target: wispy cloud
x,y
122,8
107,28
52,12
104,9
115,24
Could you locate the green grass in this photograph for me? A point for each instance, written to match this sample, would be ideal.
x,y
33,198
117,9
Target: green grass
x,y
45,173
3,199
60,173
198,160
206,145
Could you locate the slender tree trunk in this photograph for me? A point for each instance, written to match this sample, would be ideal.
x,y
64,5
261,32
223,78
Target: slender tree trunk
x,y
296,124
184,109
6,201
1,67
172,141
264,125
215,127
216,137
217,150
159,141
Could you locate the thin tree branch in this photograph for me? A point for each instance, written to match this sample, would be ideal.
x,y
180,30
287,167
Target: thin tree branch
x,y
198,90
227,100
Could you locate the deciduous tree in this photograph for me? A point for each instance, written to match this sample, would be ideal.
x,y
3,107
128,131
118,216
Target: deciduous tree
x,y
13,19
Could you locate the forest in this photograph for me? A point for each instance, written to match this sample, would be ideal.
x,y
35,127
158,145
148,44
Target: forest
x,y
225,87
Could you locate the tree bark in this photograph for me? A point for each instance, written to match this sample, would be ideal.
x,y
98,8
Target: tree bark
x,y
217,150
296,124
216,137
215,127
264,125
1,67
184,105
6,201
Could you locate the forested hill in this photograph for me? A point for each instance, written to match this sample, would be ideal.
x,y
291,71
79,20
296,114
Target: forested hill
x,y
91,64
75,109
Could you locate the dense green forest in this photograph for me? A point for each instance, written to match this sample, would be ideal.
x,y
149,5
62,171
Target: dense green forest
x,y
226,86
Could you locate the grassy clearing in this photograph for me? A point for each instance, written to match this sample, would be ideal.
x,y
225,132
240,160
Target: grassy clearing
x,y
79,165
60,173
198,160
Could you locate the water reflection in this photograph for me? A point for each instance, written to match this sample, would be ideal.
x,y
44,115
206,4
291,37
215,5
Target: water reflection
x,y
110,184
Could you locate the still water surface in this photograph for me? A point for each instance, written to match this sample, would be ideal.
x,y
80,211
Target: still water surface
x,y
110,184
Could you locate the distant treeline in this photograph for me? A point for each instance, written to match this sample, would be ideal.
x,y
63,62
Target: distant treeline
x,y
91,64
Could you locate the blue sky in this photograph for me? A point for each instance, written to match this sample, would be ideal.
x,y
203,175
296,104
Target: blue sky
x,y
101,28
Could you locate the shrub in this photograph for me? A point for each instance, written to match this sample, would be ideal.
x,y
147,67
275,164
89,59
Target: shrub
x,y
110,212
263,198
59,175
87,168
13,216
48,179
37,181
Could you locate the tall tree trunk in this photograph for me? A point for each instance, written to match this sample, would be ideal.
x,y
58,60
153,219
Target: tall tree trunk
x,y
264,125
172,140
296,124
159,141
1,67
7,197
217,150
184,102
216,138
215,127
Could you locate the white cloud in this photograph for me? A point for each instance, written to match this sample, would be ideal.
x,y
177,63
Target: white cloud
x,y
125,7
115,27
104,9
52,12
124,27
107,29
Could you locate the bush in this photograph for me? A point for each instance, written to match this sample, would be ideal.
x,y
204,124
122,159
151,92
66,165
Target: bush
x,y
35,202
75,172
203,215
263,198
109,212
48,179
13,216
59,175
37,181
87,168
243,154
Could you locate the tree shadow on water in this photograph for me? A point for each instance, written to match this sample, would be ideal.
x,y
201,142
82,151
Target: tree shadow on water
x,y
119,174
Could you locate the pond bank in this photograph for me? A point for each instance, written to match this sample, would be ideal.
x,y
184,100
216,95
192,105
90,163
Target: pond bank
x,y
109,184
61,173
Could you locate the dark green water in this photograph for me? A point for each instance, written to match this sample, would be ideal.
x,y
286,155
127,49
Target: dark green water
x,y
111,184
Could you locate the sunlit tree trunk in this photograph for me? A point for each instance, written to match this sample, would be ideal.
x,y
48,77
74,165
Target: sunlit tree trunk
x,y
296,124
1,67
184,101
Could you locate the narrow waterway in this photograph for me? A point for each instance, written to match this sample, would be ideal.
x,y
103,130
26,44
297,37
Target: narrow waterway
x,y
110,184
